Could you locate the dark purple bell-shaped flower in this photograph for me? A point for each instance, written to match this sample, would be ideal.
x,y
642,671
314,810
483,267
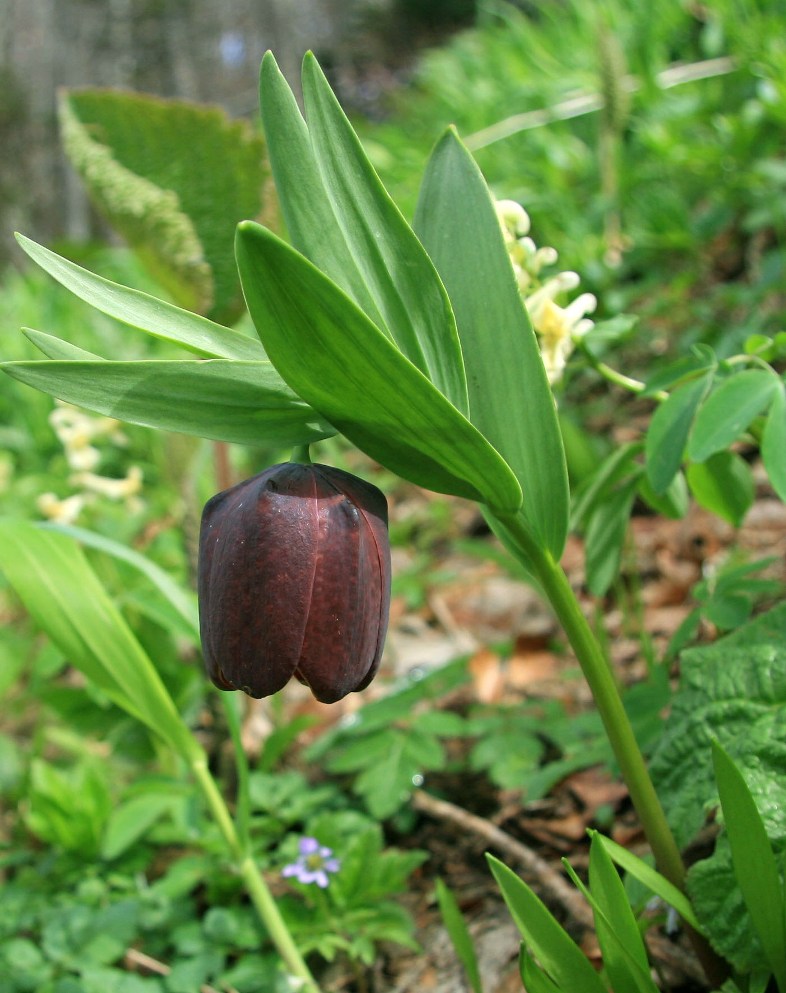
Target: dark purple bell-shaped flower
x,y
294,580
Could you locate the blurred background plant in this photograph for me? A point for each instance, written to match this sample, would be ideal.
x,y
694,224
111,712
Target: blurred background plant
x,y
645,146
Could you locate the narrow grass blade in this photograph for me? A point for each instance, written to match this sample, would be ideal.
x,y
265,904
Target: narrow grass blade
x,y
459,934
56,584
624,954
754,862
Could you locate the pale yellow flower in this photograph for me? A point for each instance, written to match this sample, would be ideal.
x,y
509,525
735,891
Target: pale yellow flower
x,y
62,511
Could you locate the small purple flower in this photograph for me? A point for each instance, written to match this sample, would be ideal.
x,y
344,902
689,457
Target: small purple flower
x,y
313,864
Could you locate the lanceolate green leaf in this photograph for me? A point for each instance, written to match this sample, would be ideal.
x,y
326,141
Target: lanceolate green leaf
x,y
754,863
309,214
338,361
394,264
53,579
729,410
509,396
244,402
56,348
144,312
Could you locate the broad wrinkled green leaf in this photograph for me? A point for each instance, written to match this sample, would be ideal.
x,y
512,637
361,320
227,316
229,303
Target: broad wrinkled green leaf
x,y
174,178
340,363
717,899
668,431
773,445
728,411
244,402
342,219
724,485
559,957
144,312
54,581
510,400
733,691
754,863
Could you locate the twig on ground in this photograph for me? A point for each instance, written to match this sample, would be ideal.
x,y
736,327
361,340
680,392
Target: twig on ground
x,y
553,888
135,959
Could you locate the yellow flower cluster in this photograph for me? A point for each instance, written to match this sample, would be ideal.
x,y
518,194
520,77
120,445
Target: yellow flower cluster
x,y
78,432
558,327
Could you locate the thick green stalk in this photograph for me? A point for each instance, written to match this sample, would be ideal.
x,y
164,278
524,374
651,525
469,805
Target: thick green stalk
x,y
256,886
600,677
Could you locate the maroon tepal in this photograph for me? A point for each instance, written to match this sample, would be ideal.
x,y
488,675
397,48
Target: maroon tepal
x,y
294,579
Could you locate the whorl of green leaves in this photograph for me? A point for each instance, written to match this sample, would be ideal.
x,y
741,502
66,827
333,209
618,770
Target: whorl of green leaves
x,y
174,179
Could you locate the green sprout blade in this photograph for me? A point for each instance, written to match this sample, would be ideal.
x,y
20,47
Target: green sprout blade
x,y
459,935
754,862
559,957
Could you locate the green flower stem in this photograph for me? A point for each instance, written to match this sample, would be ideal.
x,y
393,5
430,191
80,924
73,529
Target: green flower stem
x,y
301,454
256,886
618,378
600,677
